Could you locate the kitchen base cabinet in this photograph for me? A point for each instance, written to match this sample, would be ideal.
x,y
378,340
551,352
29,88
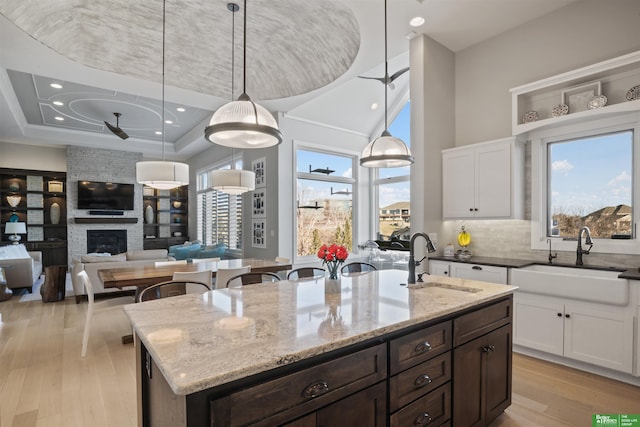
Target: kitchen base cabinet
x,y
463,270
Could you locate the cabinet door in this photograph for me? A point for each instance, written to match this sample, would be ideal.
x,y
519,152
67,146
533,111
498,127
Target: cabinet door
x,y
484,273
599,337
498,373
538,323
439,268
457,184
365,408
493,181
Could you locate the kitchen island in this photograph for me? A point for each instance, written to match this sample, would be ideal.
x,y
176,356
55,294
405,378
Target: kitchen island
x,y
359,352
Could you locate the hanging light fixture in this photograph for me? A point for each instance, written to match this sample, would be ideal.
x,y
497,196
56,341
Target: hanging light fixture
x,y
162,175
233,181
386,151
243,123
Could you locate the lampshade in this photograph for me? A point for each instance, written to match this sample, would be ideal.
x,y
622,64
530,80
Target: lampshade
x,y
386,151
162,175
233,181
15,228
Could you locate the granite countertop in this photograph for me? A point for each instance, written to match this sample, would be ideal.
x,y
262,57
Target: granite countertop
x,y
496,262
202,341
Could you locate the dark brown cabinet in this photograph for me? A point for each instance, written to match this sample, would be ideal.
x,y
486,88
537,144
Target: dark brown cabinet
x,y
165,217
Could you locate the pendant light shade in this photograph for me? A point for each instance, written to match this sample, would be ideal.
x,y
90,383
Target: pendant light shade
x,y
162,175
233,181
386,151
243,123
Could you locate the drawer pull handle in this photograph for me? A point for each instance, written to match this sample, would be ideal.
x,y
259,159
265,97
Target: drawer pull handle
x,y
422,419
422,380
315,390
477,267
422,347
488,348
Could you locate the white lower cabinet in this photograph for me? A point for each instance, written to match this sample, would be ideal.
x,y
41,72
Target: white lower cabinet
x,y
439,268
594,333
461,270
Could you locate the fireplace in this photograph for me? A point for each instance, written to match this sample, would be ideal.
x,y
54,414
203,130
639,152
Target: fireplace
x,y
112,241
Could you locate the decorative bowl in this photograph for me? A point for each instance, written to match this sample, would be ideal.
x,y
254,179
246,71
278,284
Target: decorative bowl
x,y
560,110
597,102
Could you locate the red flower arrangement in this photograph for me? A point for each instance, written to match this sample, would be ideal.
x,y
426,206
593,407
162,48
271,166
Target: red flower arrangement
x,y
333,256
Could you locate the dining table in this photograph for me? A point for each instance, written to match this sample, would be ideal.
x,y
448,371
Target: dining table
x,y
147,275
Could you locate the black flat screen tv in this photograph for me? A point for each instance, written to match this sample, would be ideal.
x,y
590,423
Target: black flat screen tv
x,y
105,196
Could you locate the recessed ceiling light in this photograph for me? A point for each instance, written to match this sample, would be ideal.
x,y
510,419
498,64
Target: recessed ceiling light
x,y
169,122
374,106
58,103
410,35
416,21
56,85
58,118
158,132
181,109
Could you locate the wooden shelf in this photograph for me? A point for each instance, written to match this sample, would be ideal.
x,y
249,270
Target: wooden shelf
x,y
125,220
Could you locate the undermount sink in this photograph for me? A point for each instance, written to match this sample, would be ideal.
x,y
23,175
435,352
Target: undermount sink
x,y
421,285
600,286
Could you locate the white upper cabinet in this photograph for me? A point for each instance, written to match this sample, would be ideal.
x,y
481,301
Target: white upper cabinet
x,y
483,180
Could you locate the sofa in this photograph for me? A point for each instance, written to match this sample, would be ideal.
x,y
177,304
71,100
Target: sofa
x,y
91,263
21,267
191,250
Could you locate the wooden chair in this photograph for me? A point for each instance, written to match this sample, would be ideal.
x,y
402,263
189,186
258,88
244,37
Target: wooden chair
x,y
96,307
171,288
199,260
224,274
203,276
165,263
252,279
306,273
357,267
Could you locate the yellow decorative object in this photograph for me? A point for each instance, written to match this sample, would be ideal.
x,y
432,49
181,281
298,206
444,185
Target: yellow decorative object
x,y
464,238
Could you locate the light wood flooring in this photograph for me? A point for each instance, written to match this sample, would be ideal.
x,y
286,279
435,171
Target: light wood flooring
x,y
44,382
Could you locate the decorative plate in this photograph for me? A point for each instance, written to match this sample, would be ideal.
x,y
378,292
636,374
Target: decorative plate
x,y
633,93
597,102
530,116
559,110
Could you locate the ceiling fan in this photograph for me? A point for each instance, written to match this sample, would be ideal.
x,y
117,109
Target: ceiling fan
x,y
387,79
116,129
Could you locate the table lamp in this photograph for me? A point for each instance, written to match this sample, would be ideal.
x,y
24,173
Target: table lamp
x,y
15,228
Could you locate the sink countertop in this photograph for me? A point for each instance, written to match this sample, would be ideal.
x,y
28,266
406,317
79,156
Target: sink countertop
x,y
202,341
496,262
631,273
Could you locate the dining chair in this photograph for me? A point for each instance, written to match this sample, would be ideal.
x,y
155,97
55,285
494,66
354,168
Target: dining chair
x,y
171,288
199,260
165,263
96,307
357,267
203,276
224,274
305,273
252,279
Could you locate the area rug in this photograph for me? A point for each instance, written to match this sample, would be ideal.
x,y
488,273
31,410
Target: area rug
x,y
25,296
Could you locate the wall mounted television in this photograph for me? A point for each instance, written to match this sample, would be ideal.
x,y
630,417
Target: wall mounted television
x,y
105,195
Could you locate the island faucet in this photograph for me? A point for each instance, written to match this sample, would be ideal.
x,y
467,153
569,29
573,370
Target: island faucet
x,y
587,241
412,260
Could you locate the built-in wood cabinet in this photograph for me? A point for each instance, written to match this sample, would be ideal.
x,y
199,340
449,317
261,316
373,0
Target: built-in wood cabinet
x,y
166,217
483,180
40,202
599,334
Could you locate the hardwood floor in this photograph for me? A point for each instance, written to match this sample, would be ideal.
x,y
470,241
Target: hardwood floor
x,y
45,383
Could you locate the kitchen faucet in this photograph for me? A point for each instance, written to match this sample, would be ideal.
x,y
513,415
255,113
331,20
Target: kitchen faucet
x,y
551,257
412,260
587,241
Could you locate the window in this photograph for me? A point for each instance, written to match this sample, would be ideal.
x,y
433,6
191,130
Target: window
x,y
590,184
219,214
585,174
324,192
393,188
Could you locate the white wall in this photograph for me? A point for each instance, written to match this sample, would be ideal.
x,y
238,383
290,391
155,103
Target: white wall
x,y
20,156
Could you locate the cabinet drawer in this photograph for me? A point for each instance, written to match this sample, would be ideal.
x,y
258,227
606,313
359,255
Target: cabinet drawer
x,y
414,348
432,409
285,398
477,323
419,380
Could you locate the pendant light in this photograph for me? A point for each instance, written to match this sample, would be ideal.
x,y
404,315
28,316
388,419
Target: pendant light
x,y
386,151
162,175
233,181
243,123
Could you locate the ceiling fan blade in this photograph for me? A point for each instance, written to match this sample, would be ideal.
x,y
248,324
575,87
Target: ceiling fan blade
x,y
380,79
116,130
398,74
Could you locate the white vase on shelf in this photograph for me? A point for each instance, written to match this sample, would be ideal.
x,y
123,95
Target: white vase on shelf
x,y
54,213
148,214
